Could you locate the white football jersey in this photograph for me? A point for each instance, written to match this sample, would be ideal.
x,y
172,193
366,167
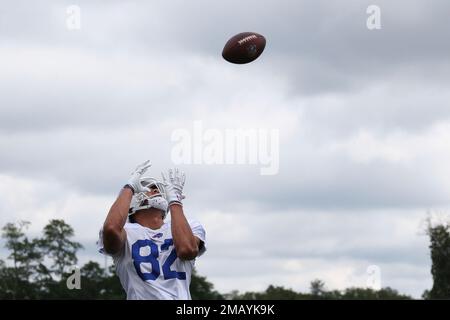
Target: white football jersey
x,y
148,266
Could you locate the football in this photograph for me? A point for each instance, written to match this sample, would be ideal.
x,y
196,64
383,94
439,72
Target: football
x,y
244,47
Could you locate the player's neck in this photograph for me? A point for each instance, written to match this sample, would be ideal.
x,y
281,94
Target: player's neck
x,y
150,219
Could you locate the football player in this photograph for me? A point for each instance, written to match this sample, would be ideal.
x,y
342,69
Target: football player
x,y
153,258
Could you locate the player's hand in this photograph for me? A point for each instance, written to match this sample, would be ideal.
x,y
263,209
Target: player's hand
x,y
135,180
174,186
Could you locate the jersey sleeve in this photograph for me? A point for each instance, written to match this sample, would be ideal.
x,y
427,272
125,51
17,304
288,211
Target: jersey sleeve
x,y
199,232
100,247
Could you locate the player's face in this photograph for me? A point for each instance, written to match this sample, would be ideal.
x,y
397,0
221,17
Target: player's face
x,y
153,190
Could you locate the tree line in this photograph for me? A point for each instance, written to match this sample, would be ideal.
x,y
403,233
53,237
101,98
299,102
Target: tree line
x,y
40,268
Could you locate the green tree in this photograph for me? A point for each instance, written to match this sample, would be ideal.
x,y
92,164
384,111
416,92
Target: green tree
x,y
317,289
279,293
8,282
112,286
91,283
98,284
370,294
440,258
271,293
26,260
58,247
202,289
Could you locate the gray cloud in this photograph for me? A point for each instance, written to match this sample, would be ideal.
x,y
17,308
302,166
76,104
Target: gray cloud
x,y
362,115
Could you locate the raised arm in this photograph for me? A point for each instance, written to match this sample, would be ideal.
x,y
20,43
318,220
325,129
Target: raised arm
x,y
186,244
114,235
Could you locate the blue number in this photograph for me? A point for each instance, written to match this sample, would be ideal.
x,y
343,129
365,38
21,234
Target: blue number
x,y
152,258
167,243
171,274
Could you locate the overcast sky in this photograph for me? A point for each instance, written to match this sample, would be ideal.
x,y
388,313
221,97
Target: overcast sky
x,y
362,115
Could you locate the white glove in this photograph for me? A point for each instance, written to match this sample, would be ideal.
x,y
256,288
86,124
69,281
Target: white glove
x,y
135,179
174,186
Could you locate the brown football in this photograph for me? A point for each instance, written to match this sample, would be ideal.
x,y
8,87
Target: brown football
x,y
244,47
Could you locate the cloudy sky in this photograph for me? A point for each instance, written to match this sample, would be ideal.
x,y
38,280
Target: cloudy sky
x,y
362,116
